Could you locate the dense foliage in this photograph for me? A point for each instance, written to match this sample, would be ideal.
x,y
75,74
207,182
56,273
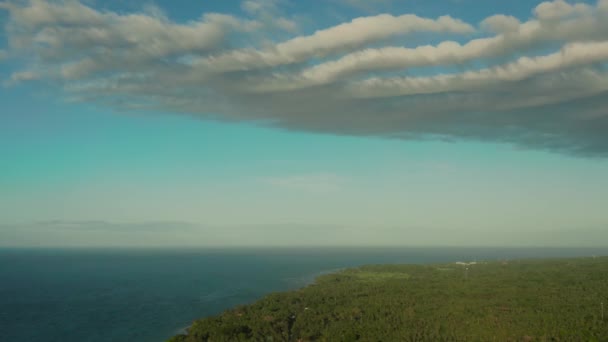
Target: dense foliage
x,y
528,300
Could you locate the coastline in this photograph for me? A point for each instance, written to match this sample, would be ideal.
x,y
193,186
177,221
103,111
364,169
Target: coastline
x,y
498,276
309,280
166,285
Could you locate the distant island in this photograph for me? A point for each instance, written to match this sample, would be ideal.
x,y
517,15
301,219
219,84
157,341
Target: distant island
x,y
521,300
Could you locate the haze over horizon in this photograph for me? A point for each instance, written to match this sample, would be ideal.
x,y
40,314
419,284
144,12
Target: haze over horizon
x,y
292,123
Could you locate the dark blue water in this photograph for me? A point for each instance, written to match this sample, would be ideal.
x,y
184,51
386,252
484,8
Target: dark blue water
x,y
148,295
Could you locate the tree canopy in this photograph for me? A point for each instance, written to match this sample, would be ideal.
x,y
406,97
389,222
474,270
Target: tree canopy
x,y
523,300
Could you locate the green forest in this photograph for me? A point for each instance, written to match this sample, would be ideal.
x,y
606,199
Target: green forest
x,y
521,300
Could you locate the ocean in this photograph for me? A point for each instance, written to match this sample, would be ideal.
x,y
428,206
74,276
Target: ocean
x,y
149,295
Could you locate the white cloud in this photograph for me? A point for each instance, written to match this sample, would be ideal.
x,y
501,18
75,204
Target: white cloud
x,y
85,40
572,55
501,24
512,37
339,38
558,9
538,83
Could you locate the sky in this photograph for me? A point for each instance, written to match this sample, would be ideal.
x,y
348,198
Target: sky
x,y
303,123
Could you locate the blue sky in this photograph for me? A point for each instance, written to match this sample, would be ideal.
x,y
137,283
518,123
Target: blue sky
x,y
289,123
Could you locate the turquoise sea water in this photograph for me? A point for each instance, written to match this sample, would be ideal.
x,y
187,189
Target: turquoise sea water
x,y
148,295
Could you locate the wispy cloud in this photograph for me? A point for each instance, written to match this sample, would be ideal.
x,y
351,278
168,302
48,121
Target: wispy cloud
x,y
21,76
312,183
348,78
270,13
108,226
366,5
102,233
148,234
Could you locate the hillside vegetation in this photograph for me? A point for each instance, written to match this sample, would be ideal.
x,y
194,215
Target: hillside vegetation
x,y
526,300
